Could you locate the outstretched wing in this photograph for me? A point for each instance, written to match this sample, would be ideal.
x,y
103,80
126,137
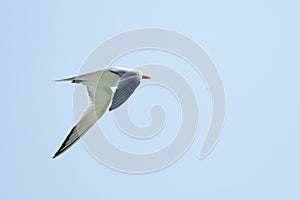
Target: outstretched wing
x,y
127,85
99,102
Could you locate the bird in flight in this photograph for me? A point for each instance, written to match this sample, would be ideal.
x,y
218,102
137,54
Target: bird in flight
x,y
100,97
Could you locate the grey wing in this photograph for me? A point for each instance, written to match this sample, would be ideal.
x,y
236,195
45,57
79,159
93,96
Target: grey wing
x,y
92,113
126,87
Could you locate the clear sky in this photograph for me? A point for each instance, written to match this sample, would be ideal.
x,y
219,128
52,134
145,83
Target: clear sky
x,y
255,46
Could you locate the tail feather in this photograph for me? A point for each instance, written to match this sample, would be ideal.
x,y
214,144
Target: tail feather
x,y
86,79
72,80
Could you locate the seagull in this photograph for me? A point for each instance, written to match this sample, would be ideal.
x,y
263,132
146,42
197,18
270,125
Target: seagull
x,y
100,96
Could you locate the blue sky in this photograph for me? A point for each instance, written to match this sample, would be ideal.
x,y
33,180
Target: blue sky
x,y
255,46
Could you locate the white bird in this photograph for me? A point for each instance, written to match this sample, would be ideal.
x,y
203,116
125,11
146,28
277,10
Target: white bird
x,y
100,96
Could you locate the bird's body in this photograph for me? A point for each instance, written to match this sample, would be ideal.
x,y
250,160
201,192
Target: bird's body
x,y
101,96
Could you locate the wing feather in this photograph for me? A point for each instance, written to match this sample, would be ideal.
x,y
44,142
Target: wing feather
x,y
125,89
95,109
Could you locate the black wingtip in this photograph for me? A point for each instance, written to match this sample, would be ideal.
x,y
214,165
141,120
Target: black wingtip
x,y
63,147
109,109
56,154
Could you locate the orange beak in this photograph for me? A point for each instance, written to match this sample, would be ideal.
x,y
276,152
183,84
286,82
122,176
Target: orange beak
x,y
146,77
